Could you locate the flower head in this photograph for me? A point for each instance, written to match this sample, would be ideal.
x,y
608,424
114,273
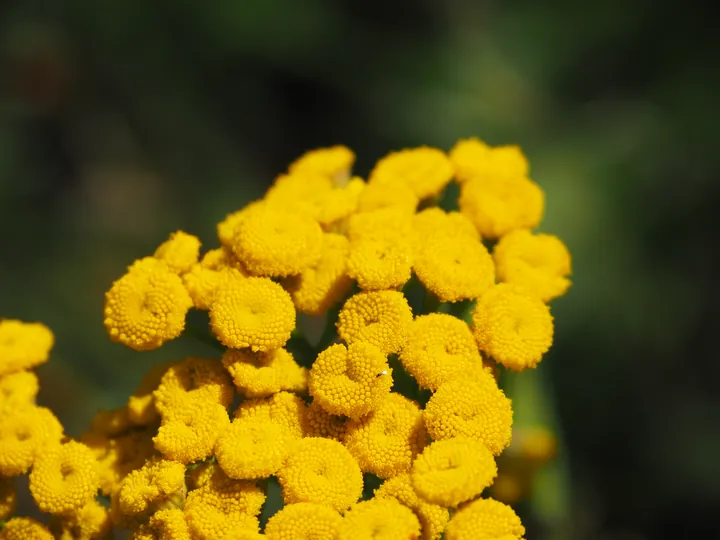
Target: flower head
x,y
17,391
180,252
154,484
425,170
24,434
381,194
23,345
227,228
302,521
382,260
91,522
333,162
379,519
320,423
285,409
264,373
170,524
434,220
485,519
21,528
472,158
251,448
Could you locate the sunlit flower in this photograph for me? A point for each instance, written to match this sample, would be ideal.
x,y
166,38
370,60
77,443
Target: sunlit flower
x,y
155,483
17,391
320,423
170,524
472,158
25,434
388,195
425,170
382,260
485,519
23,345
227,228
379,519
91,522
22,528
179,252
251,448
283,408
434,220
260,374
303,521
333,162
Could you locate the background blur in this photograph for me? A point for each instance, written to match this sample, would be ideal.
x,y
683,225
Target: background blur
x,y
122,121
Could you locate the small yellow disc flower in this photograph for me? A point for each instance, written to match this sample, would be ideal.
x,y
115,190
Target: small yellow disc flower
x,y
379,519
147,306
156,483
536,263
180,252
320,423
438,347
21,528
434,220
382,260
23,345
425,170
17,391
485,519
453,471
251,448
380,318
227,228
333,162
8,498
471,404
253,312
25,434
472,158
170,524
321,471
303,521
386,441
262,374
283,408
350,381
512,327
380,195
91,522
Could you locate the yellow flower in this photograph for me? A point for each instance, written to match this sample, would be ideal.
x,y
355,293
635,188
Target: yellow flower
x,y
375,222
8,498
425,170
21,528
251,448
64,478
386,441
227,228
434,220
350,381
25,434
323,284
472,157
203,283
91,522
333,162
156,483
303,521
17,391
320,423
382,260
170,524
485,519
321,471
141,405
264,373
146,307
23,345
276,242
433,517
453,471
438,347
179,252
380,318
537,263
253,312
379,519
471,404
283,408
513,328
380,195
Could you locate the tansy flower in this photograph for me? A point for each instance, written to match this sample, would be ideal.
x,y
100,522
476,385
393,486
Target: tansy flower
x,y
380,318
388,195
425,170
283,408
91,522
537,263
8,498
170,524
433,517
434,220
111,423
64,478
452,471
146,307
498,205
24,434
276,242
438,347
472,157
21,528
323,284
227,228
375,222
302,521
512,327
179,252
321,471
141,405
253,312
251,448
382,260
320,423
333,162
379,519
264,373
386,441
158,482
471,404
203,283
17,391
485,519
350,381
23,345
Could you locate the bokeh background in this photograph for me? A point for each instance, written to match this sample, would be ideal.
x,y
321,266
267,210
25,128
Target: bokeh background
x,y
124,120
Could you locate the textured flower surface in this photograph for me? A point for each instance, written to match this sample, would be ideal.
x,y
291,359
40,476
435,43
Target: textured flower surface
x,y
180,252
251,448
485,519
472,158
304,520
21,528
425,170
379,519
23,345
263,374
24,434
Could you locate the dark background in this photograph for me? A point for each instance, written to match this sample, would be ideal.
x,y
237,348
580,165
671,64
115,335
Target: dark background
x,y
123,120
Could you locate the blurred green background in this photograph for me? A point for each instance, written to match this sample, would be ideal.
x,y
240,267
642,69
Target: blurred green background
x,y
121,121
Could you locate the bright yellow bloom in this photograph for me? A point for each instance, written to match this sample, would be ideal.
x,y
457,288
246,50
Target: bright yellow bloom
x,y
303,521
425,170
141,405
433,220
23,345
485,519
379,519
276,242
512,327
333,162
8,498
471,404
179,252
283,408
251,448
388,195
156,483
453,471
17,391
386,441
350,381
253,312
264,373
21,528
203,283
227,228
320,423
146,307
472,157
321,471
438,347
91,522
25,434
396,218
64,478
323,284
433,517
380,318
170,524
537,263
382,260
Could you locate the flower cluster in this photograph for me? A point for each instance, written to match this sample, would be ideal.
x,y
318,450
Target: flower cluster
x,y
422,294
